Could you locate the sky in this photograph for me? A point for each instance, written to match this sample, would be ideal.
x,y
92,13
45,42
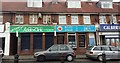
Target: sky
x,y
51,0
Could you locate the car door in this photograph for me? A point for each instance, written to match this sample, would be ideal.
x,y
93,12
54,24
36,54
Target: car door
x,y
115,52
52,52
107,51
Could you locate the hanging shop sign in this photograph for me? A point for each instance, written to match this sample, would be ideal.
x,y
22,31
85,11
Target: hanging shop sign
x,y
109,27
75,28
22,29
1,28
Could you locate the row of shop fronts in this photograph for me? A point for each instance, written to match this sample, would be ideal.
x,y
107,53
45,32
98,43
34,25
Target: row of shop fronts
x,y
27,39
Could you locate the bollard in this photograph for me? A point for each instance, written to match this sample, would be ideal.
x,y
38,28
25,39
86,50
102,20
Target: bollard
x,y
16,58
62,58
103,57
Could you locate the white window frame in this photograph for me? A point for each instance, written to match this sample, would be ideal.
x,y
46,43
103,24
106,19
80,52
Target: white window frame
x,y
33,19
19,19
114,20
102,19
1,19
34,3
86,19
46,19
74,4
74,19
62,19
109,4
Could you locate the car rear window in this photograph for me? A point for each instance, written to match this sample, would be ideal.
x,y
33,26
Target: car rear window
x,y
90,47
63,48
97,49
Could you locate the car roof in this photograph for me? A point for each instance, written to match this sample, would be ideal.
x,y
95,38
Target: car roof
x,y
104,46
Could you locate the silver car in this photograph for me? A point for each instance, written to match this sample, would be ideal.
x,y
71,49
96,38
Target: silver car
x,y
95,52
58,51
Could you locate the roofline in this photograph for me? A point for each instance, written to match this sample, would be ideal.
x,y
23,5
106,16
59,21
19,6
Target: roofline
x,y
60,12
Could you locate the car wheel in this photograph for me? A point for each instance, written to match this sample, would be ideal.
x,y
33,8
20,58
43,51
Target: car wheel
x,y
41,58
69,58
100,58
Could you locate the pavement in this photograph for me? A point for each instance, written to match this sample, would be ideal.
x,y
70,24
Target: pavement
x,y
31,57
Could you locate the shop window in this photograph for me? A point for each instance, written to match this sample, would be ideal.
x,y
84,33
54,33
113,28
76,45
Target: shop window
x,y
91,39
19,19
81,40
86,19
118,43
47,19
108,42
71,40
33,19
74,19
37,41
62,19
1,19
25,42
34,3
102,19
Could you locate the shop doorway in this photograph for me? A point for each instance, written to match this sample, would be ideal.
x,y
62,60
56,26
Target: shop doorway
x,y
60,39
49,40
102,39
13,44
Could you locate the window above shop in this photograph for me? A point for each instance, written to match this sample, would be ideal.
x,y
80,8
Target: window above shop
x,y
74,19
33,19
34,3
113,19
1,19
74,4
86,19
62,19
102,19
46,19
19,19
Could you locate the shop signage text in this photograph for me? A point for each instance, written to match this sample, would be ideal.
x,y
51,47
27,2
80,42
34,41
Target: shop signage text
x,y
110,27
23,29
75,28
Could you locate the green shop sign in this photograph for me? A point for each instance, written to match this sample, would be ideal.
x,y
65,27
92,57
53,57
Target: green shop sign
x,y
23,29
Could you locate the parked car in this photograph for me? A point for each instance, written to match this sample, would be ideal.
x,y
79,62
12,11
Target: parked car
x,y
95,52
57,51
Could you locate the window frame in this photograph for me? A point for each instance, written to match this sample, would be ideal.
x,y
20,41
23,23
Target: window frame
x,y
33,19
73,4
109,4
19,19
74,19
34,3
62,19
86,19
47,19
102,19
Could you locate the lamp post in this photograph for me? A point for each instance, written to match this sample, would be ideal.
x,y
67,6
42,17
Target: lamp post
x,y
97,33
